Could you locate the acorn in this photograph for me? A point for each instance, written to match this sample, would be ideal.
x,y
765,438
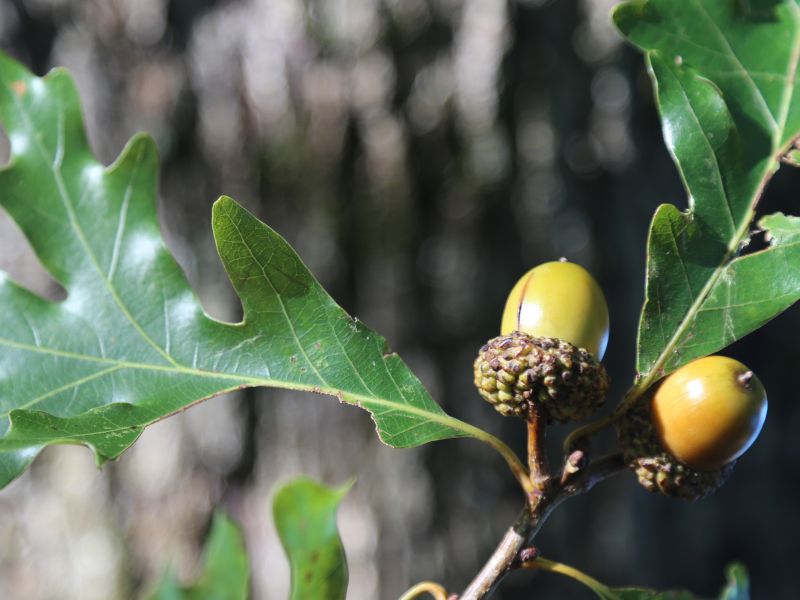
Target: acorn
x,y
683,438
559,300
514,371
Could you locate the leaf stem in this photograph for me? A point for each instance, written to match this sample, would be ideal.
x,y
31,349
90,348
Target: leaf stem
x,y
598,588
426,587
514,463
575,438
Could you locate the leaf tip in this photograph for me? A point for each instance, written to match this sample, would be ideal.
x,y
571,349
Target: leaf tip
x,y
140,149
221,211
345,488
222,203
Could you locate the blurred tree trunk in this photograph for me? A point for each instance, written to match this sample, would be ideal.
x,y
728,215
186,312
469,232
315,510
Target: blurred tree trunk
x,y
420,155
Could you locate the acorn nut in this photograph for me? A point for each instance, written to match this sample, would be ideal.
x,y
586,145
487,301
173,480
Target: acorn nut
x,y
559,300
683,438
553,332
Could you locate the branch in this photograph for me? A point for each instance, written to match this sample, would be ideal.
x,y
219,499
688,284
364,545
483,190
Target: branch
x,y
537,456
506,556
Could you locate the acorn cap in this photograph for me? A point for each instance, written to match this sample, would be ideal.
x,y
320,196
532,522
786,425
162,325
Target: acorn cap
x,y
513,371
655,468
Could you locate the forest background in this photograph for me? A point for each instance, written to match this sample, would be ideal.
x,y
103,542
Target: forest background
x,y
420,155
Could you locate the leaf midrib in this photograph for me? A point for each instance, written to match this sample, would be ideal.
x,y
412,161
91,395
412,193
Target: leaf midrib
x,y
248,380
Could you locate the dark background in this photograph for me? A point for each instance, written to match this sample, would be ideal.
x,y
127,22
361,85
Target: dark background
x,y
420,155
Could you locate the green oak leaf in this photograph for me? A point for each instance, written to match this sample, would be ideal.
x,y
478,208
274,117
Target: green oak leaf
x,y
225,574
305,516
725,75
736,588
131,344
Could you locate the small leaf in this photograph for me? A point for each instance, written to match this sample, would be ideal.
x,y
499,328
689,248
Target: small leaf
x,y
305,515
726,87
131,344
225,574
639,594
737,588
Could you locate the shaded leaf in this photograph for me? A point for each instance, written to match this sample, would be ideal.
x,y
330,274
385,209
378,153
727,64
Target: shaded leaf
x,y
225,574
131,344
305,516
640,594
725,76
737,588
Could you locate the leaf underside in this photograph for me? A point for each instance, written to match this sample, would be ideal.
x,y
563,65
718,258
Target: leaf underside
x,y
725,75
131,344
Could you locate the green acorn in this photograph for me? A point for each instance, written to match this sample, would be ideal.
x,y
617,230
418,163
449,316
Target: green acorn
x,y
516,370
656,469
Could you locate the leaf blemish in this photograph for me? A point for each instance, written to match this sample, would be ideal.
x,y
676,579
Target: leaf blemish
x,y
19,88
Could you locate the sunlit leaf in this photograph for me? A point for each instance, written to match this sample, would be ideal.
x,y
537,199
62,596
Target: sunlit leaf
x,y
131,344
726,84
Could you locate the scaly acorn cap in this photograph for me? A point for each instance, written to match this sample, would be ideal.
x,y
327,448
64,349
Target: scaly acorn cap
x,y
655,468
515,370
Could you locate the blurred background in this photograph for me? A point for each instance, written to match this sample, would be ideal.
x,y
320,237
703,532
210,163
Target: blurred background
x,y
420,155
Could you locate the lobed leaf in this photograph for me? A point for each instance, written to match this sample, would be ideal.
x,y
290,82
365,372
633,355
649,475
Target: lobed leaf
x,y
131,344
305,515
725,75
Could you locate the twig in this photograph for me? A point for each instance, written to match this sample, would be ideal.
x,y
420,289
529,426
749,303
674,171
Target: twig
x,y
499,564
595,472
537,457
505,557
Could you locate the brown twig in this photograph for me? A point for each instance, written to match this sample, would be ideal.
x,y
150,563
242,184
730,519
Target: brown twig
x,y
505,558
537,456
